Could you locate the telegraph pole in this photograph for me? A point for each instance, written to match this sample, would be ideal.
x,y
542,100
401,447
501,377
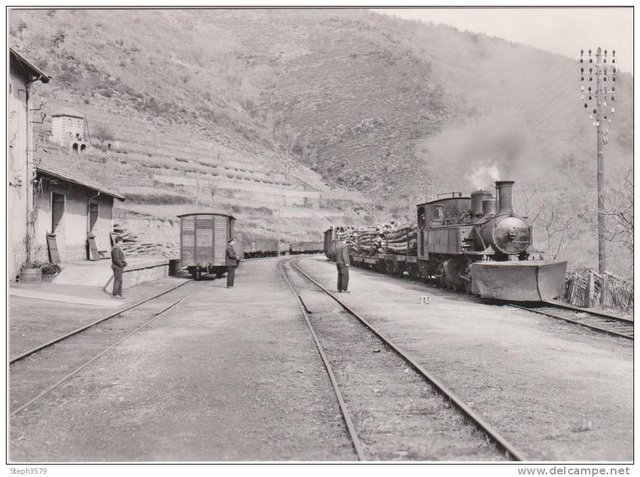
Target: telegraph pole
x,y
598,97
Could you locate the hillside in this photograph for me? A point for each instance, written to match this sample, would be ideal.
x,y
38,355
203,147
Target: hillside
x,y
328,115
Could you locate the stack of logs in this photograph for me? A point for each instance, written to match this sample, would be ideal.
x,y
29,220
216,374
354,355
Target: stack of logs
x,y
132,246
401,240
389,238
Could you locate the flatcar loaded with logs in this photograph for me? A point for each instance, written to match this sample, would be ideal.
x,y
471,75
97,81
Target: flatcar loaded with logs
x,y
475,243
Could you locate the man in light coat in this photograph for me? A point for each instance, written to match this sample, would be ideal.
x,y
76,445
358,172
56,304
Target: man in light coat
x,y
342,261
117,265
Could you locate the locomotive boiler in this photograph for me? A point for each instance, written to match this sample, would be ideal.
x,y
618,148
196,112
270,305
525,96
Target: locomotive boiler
x,y
473,243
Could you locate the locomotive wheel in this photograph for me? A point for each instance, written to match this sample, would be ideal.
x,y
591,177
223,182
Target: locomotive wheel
x,y
456,272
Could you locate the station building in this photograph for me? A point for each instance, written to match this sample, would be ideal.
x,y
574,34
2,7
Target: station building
x,y
69,207
20,168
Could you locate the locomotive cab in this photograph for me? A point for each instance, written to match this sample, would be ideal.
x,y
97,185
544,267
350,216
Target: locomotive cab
x,y
442,226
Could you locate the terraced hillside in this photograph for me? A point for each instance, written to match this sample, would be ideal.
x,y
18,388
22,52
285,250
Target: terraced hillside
x,y
323,116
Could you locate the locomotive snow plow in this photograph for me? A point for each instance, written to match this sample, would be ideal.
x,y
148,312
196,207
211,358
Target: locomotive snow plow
x,y
540,280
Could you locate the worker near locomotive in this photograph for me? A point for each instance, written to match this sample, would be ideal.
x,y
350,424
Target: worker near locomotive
x,y
476,244
342,262
232,262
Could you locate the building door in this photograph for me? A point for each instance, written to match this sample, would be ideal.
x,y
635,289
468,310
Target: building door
x,y
94,210
57,222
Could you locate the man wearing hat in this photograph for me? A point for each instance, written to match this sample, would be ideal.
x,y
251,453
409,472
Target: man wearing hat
x,y
117,265
231,261
342,261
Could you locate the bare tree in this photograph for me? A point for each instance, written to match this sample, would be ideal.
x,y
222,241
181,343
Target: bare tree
x,y
620,209
103,134
557,227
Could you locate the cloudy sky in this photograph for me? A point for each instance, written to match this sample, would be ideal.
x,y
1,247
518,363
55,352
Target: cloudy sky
x,y
560,30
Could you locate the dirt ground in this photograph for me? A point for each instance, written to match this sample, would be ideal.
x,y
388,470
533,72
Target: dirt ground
x,y
230,376
234,376
557,391
33,322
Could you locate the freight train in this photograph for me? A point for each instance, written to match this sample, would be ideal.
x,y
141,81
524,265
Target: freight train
x,y
204,237
476,244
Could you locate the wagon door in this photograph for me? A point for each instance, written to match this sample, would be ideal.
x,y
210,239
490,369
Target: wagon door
x,y
187,240
205,243
221,231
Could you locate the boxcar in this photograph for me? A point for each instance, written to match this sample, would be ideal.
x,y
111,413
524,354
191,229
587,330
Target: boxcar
x,y
203,242
330,243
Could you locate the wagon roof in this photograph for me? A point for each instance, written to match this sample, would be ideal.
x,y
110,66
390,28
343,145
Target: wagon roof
x,y
207,213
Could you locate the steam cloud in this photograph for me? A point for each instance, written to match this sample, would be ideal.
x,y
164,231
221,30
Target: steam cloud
x,y
480,151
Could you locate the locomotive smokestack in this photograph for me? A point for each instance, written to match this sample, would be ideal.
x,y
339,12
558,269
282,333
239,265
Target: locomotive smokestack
x,y
505,203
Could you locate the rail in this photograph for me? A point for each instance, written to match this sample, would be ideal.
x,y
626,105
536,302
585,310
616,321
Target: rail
x,y
473,417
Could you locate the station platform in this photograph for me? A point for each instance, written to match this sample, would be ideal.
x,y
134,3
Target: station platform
x,y
84,282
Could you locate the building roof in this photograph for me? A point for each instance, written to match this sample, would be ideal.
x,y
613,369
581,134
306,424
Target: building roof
x,y
68,112
63,168
29,69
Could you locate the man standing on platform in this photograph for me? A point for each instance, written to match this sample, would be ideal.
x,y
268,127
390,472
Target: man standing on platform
x,y
117,265
342,260
231,261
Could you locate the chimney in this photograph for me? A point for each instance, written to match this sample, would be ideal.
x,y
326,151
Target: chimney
x,y
504,192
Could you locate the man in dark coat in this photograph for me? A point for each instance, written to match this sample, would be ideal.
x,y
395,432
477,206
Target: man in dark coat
x,y
342,261
117,265
231,261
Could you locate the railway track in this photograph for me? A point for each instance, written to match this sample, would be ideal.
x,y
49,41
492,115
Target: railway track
x,y
60,359
104,319
597,321
340,346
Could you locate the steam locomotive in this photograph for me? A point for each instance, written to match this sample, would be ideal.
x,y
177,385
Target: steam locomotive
x,y
475,243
